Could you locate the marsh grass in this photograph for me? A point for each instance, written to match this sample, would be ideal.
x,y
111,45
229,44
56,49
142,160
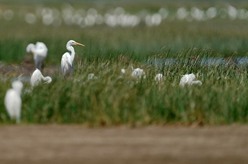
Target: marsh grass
x,y
114,99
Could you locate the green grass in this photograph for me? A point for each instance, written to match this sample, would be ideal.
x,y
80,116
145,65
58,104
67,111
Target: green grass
x,y
113,99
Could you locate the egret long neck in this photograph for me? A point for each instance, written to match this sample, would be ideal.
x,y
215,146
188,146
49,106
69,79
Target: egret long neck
x,y
70,48
18,90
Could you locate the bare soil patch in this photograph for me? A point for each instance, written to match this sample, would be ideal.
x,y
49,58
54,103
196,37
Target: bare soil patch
x,y
77,144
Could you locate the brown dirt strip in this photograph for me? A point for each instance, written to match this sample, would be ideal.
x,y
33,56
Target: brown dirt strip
x,y
64,144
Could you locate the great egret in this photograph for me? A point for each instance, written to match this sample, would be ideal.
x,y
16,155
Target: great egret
x,y
13,101
138,73
37,78
67,58
39,51
189,79
158,77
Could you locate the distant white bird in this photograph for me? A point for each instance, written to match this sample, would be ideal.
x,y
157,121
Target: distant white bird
x,y
123,71
158,77
189,79
39,51
138,73
67,58
13,101
91,76
37,78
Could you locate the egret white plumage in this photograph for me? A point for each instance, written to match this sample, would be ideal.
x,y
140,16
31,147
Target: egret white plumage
x,y
91,76
189,79
158,77
37,78
123,71
39,51
68,58
138,73
13,101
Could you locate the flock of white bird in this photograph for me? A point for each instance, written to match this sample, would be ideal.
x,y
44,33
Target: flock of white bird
x,y
119,17
39,50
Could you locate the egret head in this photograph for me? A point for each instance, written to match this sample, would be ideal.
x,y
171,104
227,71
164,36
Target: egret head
x,y
74,43
48,79
196,82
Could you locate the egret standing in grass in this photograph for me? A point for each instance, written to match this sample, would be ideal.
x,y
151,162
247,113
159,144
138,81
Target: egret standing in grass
x,y
37,78
68,58
189,79
13,101
39,51
158,77
138,73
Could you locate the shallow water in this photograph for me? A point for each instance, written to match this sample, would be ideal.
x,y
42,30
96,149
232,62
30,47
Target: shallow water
x,y
206,61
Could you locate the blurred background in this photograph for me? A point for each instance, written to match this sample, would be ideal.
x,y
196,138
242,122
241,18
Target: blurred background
x,y
137,29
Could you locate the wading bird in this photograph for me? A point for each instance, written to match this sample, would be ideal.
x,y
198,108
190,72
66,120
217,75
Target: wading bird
x,y
138,73
123,71
13,101
67,58
39,50
189,79
91,76
37,78
158,77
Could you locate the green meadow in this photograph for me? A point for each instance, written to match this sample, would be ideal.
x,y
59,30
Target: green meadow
x,y
115,99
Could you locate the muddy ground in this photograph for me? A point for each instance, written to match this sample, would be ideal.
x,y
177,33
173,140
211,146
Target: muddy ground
x,y
63,144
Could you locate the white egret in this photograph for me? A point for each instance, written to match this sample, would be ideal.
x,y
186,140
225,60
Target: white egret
x,y
138,73
158,77
91,76
189,79
123,71
67,58
39,51
37,78
13,101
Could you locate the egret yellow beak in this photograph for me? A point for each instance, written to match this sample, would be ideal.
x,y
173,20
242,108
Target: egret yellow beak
x,y
79,44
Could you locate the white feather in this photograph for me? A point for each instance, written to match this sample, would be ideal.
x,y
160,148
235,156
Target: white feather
x,y
66,64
